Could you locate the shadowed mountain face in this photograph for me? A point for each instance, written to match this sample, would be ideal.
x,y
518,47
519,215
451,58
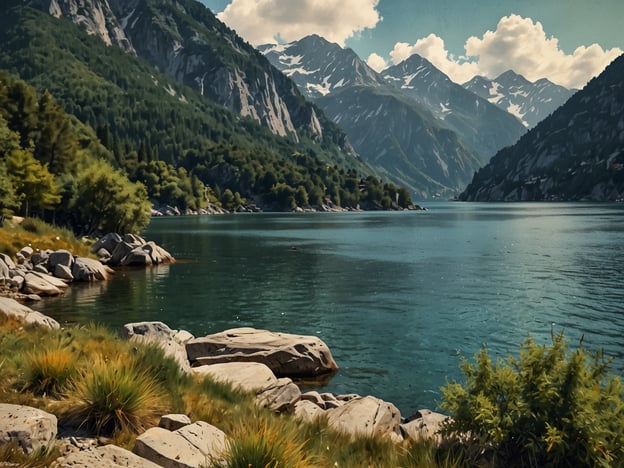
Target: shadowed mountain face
x,y
414,125
530,102
575,154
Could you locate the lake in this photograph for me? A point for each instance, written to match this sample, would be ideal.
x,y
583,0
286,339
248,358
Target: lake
x,y
395,295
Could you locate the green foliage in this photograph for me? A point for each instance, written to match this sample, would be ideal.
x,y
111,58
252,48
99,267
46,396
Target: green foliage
x,y
176,142
106,201
551,406
54,163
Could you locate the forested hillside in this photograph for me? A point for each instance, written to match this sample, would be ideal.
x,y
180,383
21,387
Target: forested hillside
x,y
184,148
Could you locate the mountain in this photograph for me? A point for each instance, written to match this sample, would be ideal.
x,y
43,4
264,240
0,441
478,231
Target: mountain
x,y
183,147
575,154
397,135
320,67
184,40
530,102
483,127
401,140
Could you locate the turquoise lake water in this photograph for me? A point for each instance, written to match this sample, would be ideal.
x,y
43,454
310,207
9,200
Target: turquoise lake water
x,y
395,295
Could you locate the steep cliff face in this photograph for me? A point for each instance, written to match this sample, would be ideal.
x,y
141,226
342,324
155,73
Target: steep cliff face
x,y
95,16
575,154
184,40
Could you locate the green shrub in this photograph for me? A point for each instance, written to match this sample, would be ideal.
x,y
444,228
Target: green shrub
x,y
551,406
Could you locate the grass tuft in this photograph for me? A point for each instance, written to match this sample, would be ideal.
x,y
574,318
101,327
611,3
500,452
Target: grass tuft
x,y
47,372
265,442
113,396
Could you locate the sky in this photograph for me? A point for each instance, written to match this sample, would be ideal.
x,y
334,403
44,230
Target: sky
x,y
566,41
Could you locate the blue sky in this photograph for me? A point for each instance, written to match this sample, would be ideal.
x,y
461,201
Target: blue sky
x,y
567,41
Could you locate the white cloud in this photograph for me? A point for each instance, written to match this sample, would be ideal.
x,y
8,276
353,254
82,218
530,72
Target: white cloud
x,y
518,44
262,21
376,62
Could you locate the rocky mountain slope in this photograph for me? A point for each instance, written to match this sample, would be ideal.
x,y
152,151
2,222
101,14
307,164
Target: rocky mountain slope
x,y
184,40
397,134
530,102
402,141
483,127
575,154
320,67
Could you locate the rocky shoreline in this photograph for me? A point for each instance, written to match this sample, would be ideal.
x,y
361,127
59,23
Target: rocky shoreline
x,y
246,358
267,364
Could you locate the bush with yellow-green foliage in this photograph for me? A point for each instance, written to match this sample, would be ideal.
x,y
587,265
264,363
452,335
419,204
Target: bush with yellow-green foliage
x,y
550,407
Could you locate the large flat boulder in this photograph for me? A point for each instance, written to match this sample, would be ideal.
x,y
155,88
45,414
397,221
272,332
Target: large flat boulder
x,y
285,354
249,376
108,456
24,314
191,446
35,283
31,428
367,416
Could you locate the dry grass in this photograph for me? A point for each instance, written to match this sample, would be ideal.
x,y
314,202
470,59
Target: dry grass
x,y
39,235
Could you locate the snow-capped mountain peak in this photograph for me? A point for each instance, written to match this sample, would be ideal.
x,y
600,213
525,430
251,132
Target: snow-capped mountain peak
x,y
528,101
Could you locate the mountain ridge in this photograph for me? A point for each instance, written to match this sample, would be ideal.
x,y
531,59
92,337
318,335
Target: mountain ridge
x,y
530,102
575,154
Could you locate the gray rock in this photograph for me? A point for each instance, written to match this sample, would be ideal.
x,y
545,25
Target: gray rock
x,y
249,376
133,239
87,269
24,314
17,282
108,242
60,257
285,354
8,261
425,424
307,410
173,422
108,456
280,397
26,252
5,274
314,397
137,257
40,257
158,254
120,251
35,284
194,445
31,428
367,416
63,272
39,268
171,341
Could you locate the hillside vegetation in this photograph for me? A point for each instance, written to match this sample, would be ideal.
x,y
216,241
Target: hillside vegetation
x,y
184,149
